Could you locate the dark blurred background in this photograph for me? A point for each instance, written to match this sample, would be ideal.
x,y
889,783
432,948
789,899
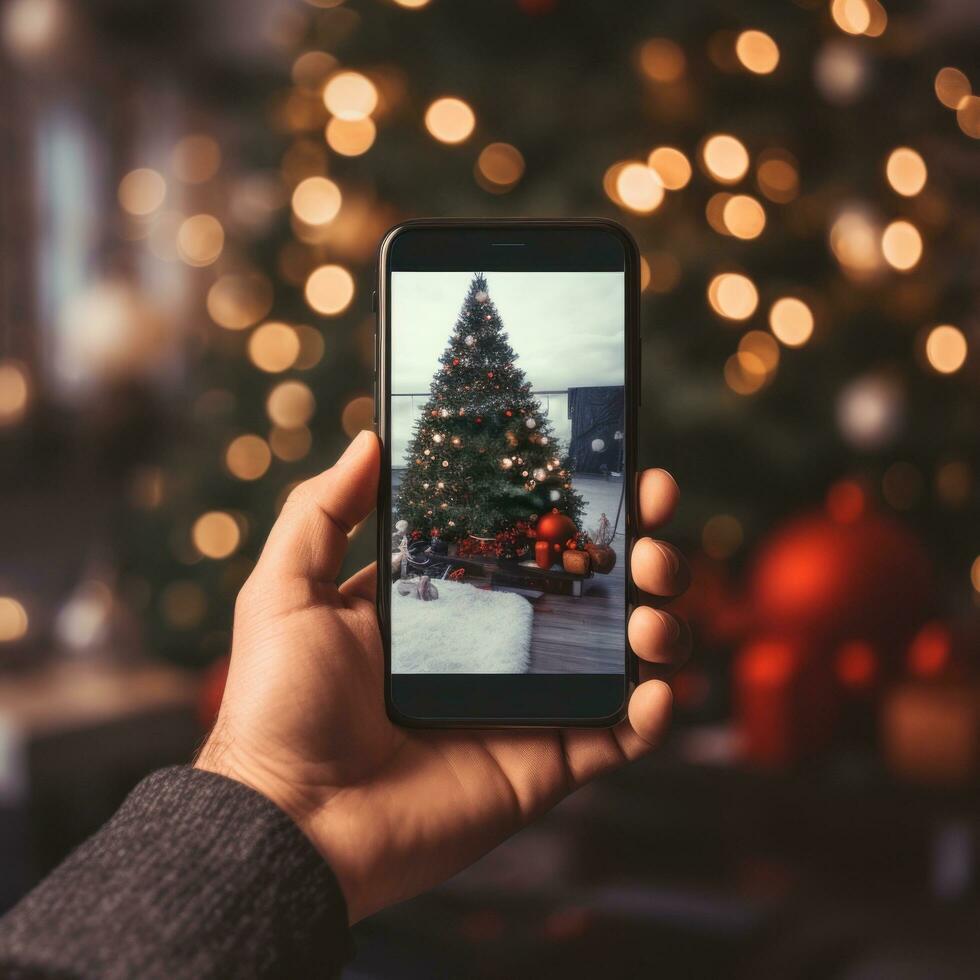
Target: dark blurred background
x,y
191,197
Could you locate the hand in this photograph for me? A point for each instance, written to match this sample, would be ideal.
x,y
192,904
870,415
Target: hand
x,y
303,719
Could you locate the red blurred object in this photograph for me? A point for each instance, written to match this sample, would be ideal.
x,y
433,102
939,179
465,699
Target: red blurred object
x,y
784,700
212,690
833,583
930,650
856,665
846,501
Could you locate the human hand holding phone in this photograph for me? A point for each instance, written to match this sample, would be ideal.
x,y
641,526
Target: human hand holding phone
x,y
303,720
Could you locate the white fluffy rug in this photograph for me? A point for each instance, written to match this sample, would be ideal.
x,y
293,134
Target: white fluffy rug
x,y
465,631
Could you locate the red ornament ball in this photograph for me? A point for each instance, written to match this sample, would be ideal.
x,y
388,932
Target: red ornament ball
x,y
508,413
833,582
455,361
489,374
478,420
555,528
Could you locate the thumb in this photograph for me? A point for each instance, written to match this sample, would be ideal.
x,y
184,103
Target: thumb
x,y
309,540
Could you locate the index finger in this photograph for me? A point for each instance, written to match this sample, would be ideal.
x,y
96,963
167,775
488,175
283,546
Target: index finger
x,y
658,496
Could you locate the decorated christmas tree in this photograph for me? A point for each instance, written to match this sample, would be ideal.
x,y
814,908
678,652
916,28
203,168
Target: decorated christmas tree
x,y
483,458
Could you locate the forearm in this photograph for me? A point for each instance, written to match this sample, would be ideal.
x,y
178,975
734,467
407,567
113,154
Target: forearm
x,y
195,876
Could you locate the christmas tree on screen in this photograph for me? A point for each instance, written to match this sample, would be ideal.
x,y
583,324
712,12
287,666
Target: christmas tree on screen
x,y
482,457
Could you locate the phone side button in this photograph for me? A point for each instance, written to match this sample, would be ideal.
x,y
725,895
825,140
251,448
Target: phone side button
x,y
374,301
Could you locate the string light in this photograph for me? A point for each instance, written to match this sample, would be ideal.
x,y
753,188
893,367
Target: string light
x,y
329,289
141,191
195,158
946,349
757,51
851,16
311,347
216,534
639,188
763,349
901,245
968,116
671,166
350,137
777,175
662,60
273,347
975,574
248,457
358,414
316,200
292,444
854,240
725,158
412,4
290,404
14,620
791,321
733,296
906,171
450,120
311,69
237,301
200,240
500,165
951,86
721,536
350,95
743,216
744,374
15,391
714,211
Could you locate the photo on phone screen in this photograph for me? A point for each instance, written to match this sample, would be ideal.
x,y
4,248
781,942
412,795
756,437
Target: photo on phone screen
x,y
507,441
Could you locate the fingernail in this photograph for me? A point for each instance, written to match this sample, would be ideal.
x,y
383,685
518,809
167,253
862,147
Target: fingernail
x,y
672,629
669,557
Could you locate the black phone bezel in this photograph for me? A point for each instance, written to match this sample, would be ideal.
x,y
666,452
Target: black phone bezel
x,y
531,700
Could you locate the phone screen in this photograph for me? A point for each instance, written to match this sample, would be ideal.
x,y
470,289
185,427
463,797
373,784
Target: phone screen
x,y
506,436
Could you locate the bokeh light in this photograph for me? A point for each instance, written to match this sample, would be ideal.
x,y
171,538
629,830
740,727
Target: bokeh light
x,y
901,245
15,392
141,191
196,158
855,242
329,289
200,239
968,116
350,95
744,216
236,301
639,188
851,16
733,296
248,457
216,534
316,200
725,158
906,171
358,414
290,405
412,4
273,347
871,411
311,347
350,137
450,120
721,536
13,619
762,347
714,211
291,444
946,348
952,87
662,60
671,166
500,165
757,51
665,271
777,174
791,321
744,373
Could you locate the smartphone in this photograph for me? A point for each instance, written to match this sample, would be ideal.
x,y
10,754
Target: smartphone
x,y
507,362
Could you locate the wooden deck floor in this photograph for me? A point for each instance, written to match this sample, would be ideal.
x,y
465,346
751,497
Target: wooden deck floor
x,y
584,635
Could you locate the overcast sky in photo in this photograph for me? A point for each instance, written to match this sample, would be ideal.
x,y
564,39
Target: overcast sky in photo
x,y
566,328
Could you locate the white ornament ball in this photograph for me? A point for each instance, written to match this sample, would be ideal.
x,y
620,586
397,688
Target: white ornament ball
x,y
401,526
470,340
554,495
540,474
598,445
530,423
481,297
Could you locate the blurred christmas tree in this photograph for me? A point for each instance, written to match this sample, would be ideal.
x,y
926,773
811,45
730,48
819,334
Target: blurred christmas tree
x,y
483,455
800,178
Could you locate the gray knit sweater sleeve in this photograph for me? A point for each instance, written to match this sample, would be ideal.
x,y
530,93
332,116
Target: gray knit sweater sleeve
x,y
195,876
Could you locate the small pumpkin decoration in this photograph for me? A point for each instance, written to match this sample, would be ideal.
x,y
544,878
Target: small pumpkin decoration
x,y
600,548
575,561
